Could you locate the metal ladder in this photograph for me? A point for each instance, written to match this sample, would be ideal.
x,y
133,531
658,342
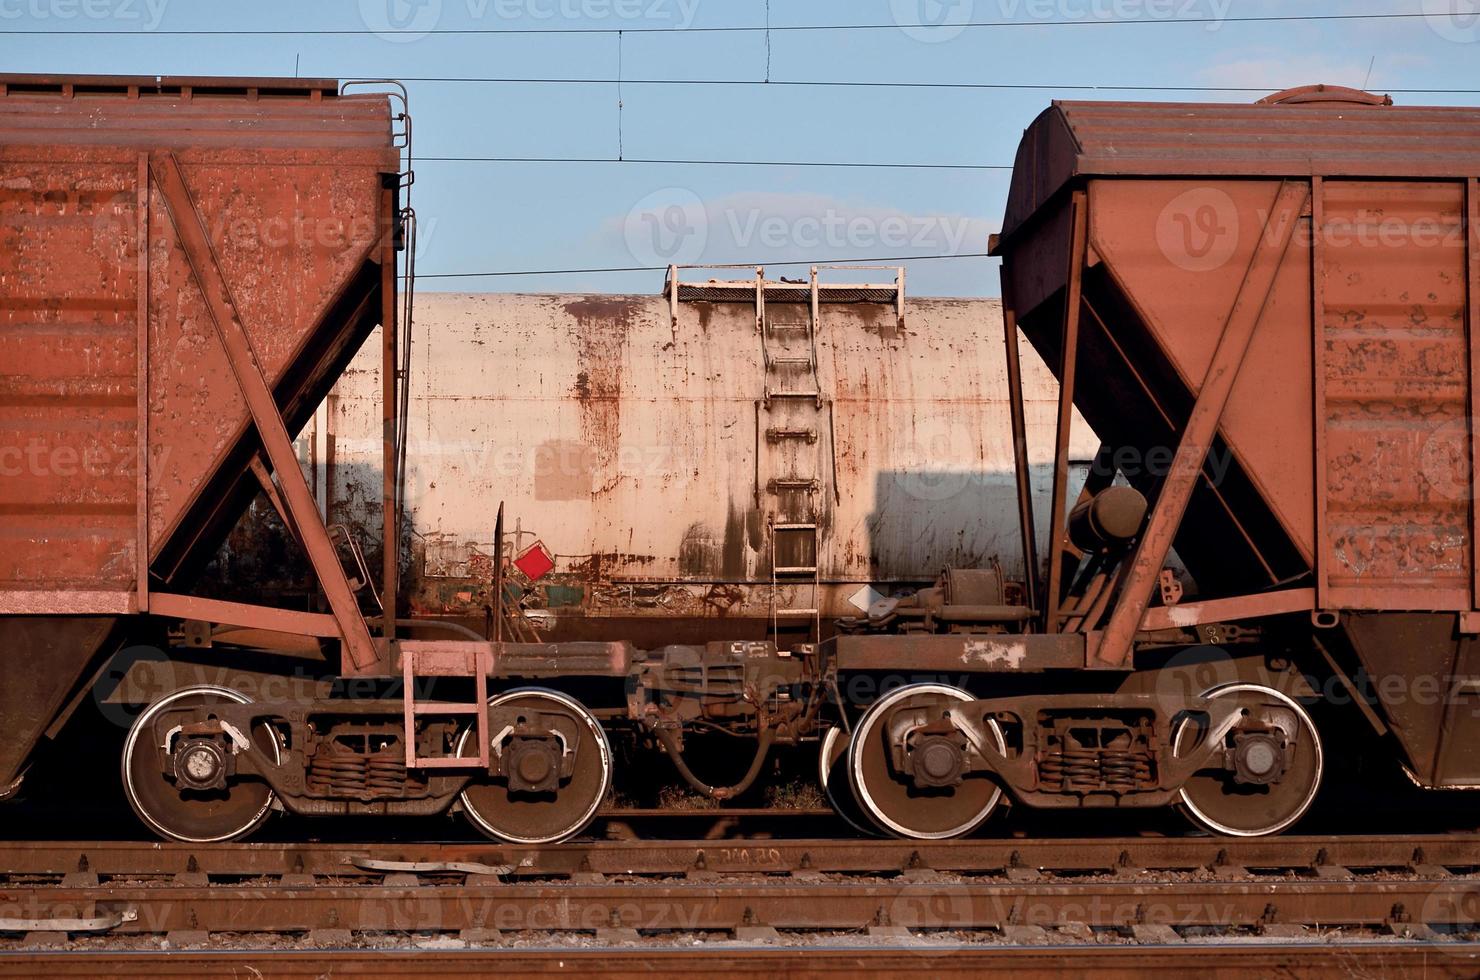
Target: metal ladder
x,y
431,659
793,410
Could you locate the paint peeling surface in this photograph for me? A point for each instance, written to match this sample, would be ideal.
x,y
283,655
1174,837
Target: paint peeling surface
x,y
994,654
634,448
1397,372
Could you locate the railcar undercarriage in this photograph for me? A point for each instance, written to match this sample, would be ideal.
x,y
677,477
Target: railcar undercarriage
x,y
929,753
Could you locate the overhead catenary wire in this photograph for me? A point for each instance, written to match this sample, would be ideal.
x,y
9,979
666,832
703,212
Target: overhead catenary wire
x,y
736,29
783,263
718,163
825,83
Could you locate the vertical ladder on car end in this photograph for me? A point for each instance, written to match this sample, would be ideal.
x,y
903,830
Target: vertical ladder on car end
x,y
793,442
432,659
808,574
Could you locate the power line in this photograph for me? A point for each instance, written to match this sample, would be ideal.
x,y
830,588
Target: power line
x,y
719,163
989,86
968,25
664,268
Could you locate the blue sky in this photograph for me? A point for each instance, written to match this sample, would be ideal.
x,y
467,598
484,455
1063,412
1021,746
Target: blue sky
x,y
525,216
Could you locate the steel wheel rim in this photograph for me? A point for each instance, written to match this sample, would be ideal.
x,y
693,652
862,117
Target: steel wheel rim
x,y
132,791
841,798
861,754
1199,814
586,815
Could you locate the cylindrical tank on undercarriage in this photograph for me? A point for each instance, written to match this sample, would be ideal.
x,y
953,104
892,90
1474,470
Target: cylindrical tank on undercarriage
x,y
710,462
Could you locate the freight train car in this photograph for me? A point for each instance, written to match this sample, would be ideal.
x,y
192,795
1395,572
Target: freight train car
x,y
1265,313
631,438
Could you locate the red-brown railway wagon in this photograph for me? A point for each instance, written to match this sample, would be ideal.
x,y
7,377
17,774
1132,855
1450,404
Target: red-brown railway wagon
x,y
1269,313
185,267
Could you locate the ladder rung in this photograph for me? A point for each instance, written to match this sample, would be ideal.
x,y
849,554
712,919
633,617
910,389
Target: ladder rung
x,y
794,527
796,612
775,486
450,762
434,708
789,324
796,570
775,434
793,394
791,360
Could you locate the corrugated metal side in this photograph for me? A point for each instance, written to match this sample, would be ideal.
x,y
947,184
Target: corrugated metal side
x,y
1396,372
68,377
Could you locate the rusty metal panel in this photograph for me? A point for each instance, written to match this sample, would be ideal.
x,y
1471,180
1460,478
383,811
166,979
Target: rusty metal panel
x,y
289,176
1396,383
1347,134
628,444
1345,456
68,381
1178,284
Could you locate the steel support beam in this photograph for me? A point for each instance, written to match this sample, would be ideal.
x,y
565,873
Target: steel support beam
x,y
390,402
245,616
1114,647
1020,446
1188,614
194,238
1472,328
1073,300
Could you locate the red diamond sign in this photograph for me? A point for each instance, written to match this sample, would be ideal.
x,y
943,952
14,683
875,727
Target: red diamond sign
x,y
535,561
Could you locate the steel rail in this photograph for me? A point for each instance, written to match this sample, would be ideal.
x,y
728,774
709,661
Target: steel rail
x,y
1212,960
1325,855
780,903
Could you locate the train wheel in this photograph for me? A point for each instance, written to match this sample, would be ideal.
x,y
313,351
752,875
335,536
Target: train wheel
x,y
832,774
541,817
179,813
891,799
1217,800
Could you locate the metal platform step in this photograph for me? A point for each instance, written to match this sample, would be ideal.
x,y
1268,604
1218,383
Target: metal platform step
x,y
777,434
432,659
783,483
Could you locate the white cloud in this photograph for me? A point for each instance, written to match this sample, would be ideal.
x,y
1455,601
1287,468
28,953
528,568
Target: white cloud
x,y
1275,71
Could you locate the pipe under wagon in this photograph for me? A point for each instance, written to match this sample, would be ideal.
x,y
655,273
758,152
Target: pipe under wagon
x,y
1265,312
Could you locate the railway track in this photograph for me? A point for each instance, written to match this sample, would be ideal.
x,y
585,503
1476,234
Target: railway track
x,y
1074,893
1215,960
